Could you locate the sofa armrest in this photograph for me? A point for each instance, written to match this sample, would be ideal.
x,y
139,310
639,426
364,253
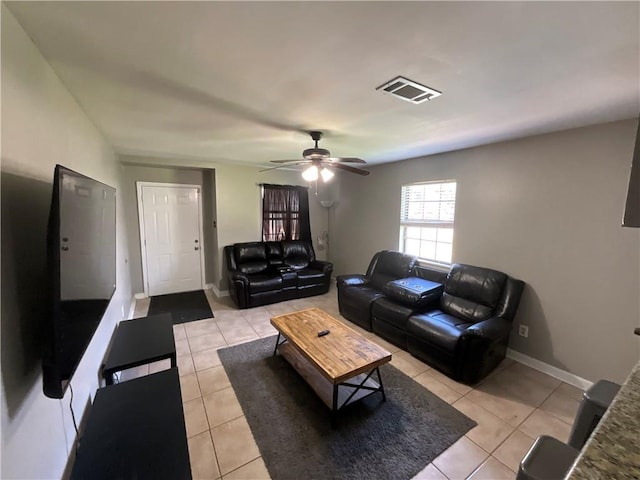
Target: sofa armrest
x,y
324,267
239,287
481,347
238,276
350,280
488,330
508,305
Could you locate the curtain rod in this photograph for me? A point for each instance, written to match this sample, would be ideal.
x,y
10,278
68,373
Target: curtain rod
x,y
275,185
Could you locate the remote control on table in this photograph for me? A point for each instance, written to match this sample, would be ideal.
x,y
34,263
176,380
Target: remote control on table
x,y
323,333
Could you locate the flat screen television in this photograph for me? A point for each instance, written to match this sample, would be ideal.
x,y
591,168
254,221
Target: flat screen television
x,y
81,243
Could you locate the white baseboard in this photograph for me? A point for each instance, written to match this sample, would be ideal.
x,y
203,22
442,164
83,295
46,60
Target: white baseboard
x,y
140,296
555,372
132,308
217,292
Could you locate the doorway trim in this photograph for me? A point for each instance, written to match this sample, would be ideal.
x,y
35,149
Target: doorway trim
x,y
141,230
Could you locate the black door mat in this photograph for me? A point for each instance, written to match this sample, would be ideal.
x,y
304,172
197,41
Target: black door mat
x,y
183,307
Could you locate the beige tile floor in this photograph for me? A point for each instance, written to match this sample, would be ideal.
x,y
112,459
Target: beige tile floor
x,y
512,406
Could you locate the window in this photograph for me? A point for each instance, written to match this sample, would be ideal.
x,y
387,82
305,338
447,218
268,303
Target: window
x,y
426,220
285,213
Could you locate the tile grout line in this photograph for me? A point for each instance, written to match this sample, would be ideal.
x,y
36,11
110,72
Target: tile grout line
x,y
502,463
244,465
213,445
434,466
551,413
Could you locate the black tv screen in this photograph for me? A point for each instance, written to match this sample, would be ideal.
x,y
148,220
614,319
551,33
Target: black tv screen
x,y
81,242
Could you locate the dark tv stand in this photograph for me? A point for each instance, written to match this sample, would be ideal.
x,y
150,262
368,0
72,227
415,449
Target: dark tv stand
x,y
135,431
138,342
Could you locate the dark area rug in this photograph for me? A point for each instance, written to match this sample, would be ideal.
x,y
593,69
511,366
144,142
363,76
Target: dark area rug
x,y
183,307
373,439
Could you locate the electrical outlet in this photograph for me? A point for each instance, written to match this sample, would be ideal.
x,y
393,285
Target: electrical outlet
x,y
523,331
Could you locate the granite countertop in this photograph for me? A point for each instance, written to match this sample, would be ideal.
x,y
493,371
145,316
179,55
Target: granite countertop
x,y
613,450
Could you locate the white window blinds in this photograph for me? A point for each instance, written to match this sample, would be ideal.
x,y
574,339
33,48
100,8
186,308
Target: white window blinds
x,y
429,203
426,220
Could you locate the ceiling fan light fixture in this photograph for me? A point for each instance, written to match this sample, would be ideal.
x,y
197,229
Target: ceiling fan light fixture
x,y
310,174
316,153
319,159
326,174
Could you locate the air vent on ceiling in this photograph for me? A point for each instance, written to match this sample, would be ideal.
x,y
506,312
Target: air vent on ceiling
x,y
408,90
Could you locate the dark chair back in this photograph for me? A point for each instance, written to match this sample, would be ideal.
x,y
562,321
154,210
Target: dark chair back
x,y
389,265
297,254
250,257
476,293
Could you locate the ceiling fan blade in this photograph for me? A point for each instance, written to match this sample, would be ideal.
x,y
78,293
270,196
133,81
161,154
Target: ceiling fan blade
x,y
346,160
289,161
282,166
347,168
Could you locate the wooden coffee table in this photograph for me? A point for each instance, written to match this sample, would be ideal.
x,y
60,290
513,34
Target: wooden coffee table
x,y
338,366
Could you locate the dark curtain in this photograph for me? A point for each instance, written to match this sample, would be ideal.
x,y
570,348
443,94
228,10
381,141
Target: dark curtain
x,y
285,213
305,223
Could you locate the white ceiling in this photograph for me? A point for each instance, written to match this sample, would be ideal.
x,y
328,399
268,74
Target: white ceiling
x,y
242,81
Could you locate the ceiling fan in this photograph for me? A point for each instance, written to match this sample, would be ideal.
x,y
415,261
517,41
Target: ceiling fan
x,y
321,162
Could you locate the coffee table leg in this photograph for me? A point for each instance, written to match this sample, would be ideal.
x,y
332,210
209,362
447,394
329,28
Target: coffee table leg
x,y
334,409
384,397
275,350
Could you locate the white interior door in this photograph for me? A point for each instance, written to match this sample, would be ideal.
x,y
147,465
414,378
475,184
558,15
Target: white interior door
x,y
172,240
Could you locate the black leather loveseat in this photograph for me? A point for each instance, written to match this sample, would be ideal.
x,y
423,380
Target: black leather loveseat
x,y
458,322
260,273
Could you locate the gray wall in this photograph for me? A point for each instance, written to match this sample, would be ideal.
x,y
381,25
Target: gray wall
x,y
544,209
132,173
209,214
43,125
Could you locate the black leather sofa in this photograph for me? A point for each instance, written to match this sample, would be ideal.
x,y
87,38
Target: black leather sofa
x,y
458,322
261,273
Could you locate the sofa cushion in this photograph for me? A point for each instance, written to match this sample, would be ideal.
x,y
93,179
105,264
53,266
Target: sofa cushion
x,y
250,257
260,283
394,265
413,291
354,303
296,254
437,328
308,276
274,253
379,280
472,293
387,310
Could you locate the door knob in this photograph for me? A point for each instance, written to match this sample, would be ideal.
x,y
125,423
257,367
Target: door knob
x,y
196,248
